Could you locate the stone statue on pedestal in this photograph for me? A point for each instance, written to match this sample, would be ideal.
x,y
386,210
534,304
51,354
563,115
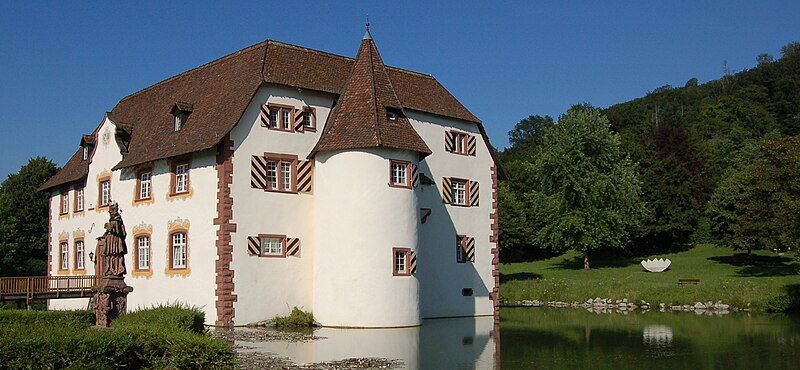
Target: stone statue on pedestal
x,y
111,293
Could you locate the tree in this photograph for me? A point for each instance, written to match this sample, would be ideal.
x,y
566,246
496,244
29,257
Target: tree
x,y
24,218
790,49
764,58
587,192
758,206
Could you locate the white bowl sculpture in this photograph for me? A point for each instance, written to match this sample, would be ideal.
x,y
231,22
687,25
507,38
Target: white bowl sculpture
x,y
656,265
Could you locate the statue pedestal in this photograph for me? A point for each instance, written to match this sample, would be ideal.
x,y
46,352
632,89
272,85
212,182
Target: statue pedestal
x,y
110,300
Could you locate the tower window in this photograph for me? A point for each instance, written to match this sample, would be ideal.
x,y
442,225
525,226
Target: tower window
x,y
400,262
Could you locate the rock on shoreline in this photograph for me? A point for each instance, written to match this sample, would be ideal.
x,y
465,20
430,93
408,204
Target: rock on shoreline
x,y
607,305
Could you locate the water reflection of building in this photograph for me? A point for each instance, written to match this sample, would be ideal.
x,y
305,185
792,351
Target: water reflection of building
x,y
462,343
657,335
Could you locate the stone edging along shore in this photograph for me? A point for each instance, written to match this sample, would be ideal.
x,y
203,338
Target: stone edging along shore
x,y
607,305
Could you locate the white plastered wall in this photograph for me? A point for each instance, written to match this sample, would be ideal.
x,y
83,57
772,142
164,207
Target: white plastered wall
x,y
194,287
360,219
267,286
441,278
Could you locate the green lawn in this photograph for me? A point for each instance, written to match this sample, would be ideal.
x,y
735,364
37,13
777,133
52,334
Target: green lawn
x,y
766,281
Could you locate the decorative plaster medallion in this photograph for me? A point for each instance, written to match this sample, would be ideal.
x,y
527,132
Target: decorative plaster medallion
x,y
106,136
178,224
142,228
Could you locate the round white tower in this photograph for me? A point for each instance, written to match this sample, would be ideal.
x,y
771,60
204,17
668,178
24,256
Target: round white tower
x,y
360,220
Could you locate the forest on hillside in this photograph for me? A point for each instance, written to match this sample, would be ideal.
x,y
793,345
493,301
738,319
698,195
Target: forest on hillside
x,y
717,162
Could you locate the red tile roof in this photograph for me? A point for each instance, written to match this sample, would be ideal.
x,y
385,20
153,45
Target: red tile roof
x,y
360,120
220,91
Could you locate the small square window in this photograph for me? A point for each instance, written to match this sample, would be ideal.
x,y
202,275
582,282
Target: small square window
x,y
400,262
272,246
399,174
459,192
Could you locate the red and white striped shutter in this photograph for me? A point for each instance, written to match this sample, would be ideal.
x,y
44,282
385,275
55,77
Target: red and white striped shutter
x,y
253,245
469,248
264,116
305,176
298,120
447,191
474,192
471,144
414,175
258,172
293,247
412,262
449,141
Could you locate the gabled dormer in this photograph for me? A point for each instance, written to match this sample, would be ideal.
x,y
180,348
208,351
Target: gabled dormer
x,y
181,111
87,144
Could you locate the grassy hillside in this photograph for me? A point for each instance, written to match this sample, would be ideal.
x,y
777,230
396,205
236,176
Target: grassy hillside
x,y
764,282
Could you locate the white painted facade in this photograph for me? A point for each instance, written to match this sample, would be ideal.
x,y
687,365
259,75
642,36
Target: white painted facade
x,y
347,226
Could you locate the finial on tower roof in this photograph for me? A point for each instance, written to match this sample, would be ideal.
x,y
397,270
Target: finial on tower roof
x,y
367,35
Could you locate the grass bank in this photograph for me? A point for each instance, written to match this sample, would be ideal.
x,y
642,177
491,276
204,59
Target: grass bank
x,y
765,281
163,337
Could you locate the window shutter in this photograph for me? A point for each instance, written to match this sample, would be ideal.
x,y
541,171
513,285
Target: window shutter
x,y
449,141
447,191
298,120
305,175
469,248
473,193
471,144
258,172
264,116
412,262
414,175
253,245
293,247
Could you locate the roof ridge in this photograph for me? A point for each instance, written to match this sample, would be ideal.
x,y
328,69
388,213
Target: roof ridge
x,y
327,53
375,123
195,69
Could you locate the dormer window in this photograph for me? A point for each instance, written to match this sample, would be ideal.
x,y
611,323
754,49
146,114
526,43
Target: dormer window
x,y
87,141
85,153
391,116
181,111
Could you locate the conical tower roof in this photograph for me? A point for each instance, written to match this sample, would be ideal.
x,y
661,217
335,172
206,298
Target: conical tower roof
x,y
368,114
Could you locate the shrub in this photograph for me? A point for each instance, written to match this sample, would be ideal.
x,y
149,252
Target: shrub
x,y
163,337
297,319
73,319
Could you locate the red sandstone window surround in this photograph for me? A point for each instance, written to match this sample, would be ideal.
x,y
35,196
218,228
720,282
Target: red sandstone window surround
x,y
272,245
309,119
400,262
460,191
80,254
142,255
400,174
281,173
63,256
104,192
281,117
64,209
144,184
179,180
179,250
78,199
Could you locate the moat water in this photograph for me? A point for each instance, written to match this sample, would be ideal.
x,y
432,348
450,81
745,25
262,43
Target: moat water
x,y
549,338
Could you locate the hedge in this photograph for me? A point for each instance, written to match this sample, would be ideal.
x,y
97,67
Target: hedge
x,y
166,337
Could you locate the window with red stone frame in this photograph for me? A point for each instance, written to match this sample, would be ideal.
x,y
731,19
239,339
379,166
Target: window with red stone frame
x,y
400,174
144,184
64,203
179,176
281,173
401,264
281,117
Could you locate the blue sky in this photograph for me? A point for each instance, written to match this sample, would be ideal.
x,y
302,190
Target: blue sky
x,y
65,63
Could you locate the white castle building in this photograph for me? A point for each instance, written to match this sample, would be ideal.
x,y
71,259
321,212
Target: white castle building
x,y
281,176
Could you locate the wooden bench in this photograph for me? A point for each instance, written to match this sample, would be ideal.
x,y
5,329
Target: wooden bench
x,y
688,281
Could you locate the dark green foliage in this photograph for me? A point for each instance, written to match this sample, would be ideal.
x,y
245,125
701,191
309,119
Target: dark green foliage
x,y
758,206
23,220
165,337
297,319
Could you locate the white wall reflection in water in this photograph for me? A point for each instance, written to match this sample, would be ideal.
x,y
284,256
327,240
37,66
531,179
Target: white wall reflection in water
x,y
459,343
657,335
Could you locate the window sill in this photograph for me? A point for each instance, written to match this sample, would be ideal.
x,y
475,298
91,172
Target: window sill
x,y
77,213
395,273
391,185
142,273
79,272
181,195
288,131
62,272
63,216
280,191
273,255
145,201
183,271
101,208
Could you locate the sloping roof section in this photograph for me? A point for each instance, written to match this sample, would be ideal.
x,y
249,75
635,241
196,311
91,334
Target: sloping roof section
x,y
360,119
220,91
75,169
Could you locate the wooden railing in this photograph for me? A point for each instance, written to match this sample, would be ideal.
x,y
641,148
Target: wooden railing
x,y
30,286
